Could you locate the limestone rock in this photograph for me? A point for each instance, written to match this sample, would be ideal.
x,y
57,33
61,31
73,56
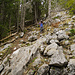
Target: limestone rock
x,y
67,42
37,62
32,38
43,70
21,34
58,59
71,66
72,47
1,68
49,47
73,17
58,71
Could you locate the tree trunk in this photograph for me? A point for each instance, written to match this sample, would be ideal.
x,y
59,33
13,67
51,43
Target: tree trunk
x,y
10,23
35,14
23,15
49,12
17,18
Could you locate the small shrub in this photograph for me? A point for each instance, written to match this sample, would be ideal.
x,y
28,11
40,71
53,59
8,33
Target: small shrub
x,y
72,32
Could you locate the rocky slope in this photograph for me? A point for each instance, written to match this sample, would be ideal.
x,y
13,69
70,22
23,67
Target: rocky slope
x,y
49,53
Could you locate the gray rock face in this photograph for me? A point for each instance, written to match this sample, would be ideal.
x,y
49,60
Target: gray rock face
x,y
32,38
43,70
21,34
71,66
49,47
58,59
67,42
1,68
72,47
62,35
37,62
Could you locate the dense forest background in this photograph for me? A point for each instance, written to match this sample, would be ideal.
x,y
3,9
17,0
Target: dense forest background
x,y
14,13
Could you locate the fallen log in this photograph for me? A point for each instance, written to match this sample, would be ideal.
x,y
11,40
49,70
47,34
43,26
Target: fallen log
x,y
8,36
8,42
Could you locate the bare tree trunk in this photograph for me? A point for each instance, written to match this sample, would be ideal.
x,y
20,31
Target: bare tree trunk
x,y
10,23
18,18
35,14
23,15
18,22
49,12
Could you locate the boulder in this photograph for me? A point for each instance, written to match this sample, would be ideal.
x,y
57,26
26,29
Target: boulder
x,y
71,67
32,38
74,40
57,20
42,48
43,70
51,52
67,42
21,34
73,17
62,35
58,59
72,47
58,71
54,41
49,47
48,38
17,37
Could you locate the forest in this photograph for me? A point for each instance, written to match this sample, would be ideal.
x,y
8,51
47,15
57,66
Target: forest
x,y
14,13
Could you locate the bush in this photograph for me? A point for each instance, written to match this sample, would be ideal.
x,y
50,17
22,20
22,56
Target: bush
x,y
72,32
